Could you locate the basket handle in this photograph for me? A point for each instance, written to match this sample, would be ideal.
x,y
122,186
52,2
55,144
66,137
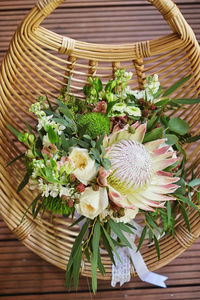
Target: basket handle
x,y
167,8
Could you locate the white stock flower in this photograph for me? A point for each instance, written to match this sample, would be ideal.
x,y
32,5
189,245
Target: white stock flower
x,y
84,166
92,203
45,140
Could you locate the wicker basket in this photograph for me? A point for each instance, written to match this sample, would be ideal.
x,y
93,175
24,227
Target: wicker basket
x,y
40,62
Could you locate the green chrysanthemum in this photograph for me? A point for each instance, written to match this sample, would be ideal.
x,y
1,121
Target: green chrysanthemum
x,y
97,124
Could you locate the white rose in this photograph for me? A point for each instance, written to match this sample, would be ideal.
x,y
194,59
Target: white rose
x,y
85,167
92,203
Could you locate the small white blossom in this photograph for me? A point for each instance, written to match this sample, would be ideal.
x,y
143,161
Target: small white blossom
x,y
136,93
45,140
133,111
128,75
119,107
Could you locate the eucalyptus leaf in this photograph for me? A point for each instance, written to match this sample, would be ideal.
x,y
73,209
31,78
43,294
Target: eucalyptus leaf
x,y
178,125
194,182
155,134
172,139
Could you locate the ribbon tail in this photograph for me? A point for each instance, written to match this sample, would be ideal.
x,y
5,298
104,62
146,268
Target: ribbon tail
x,y
142,270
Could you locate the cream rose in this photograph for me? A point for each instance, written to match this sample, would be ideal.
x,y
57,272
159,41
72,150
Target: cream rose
x,y
92,203
85,168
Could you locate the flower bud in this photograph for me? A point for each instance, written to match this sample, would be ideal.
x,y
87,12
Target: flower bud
x,y
95,187
72,178
80,188
31,138
70,202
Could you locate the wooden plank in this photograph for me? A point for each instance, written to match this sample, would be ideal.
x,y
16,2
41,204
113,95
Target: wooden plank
x,y
26,272
190,293
123,24
21,4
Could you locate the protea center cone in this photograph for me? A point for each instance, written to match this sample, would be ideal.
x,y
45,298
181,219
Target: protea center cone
x,y
136,178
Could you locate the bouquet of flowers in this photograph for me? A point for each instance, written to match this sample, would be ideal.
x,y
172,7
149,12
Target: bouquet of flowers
x,y
106,160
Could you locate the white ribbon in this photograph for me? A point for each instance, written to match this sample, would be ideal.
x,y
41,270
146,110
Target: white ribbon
x,y
121,272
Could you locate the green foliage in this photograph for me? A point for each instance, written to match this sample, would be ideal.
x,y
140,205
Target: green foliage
x,y
97,124
178,125
56,206
155,134
175,86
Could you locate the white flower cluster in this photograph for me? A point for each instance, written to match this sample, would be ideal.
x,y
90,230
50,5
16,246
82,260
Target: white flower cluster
x,y
37,166
45,121
136,93
151,88
55,189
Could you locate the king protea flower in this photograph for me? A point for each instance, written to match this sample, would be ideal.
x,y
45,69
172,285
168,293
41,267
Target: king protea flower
x,y
136,178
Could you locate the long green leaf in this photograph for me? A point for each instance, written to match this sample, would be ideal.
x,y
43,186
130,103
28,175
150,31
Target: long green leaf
x,y
95,251
75,248
157,246
151,223
169,212
111,243
24,182
76,267
143,234
187,201
100,265
107,246
116,229
125,228
77,221
64,109
175,86
15,159
186,101
185,217
13,130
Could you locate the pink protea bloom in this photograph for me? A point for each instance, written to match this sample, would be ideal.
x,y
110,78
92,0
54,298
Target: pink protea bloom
x,y
136,178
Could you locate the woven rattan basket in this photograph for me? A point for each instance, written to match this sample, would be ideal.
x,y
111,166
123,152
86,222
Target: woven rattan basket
x,y
40,62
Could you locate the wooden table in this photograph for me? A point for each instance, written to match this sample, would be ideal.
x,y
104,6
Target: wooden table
x,y
24,275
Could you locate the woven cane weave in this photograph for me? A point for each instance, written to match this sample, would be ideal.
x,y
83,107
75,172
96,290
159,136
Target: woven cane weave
x,y
41,62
